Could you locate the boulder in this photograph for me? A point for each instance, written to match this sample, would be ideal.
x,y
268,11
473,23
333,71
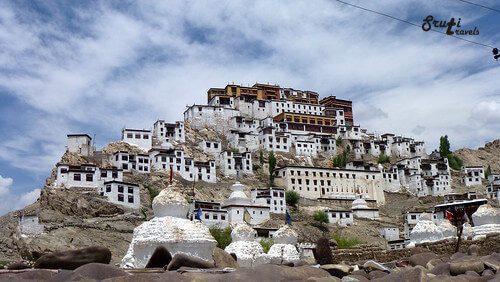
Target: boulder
x,y
180,260
492,261
18,266
422,258
447,278
460,267
148,277
413,274
376,274
373,265
473,250
337,270
488,273
324,279
354,278
441,269
31,275
472,273
73,259
160,258
223,259
360,272
90,271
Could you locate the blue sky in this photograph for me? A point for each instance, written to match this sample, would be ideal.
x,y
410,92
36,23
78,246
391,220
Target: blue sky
x,y
94,67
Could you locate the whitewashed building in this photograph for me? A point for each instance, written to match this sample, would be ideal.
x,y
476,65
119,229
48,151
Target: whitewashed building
x,y
390,233
234,164
121,193
211,147
141,138
80,144
128,162
340,217
169,132
212,214
201,116
316,182
272,197
473,175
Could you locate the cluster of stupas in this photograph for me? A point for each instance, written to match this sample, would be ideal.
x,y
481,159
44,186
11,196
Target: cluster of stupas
x,y
486,220
169,228
250,253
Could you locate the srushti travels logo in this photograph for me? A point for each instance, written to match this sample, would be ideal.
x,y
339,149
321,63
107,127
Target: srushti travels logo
x,y
452,27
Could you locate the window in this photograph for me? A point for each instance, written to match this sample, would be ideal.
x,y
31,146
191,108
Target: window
x,y
413,216
120,188
137,136
129,135
145,136
89,177
207,216
114,174
131,190
223,217
77,177
215,216
131,199
120,198
124,166
104,174
108,188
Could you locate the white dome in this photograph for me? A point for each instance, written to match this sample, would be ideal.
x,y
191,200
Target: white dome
x,y
243,232
285,235
170,203
425,231
448,229
359,203
486,214
238,197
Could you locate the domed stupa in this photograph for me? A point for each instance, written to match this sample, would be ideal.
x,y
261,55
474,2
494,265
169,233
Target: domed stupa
x,y
244,245
425,230
360,209
169,228
284,248
448,229
486,220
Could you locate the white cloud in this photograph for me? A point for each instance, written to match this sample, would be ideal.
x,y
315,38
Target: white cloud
x,y
128,66
10,201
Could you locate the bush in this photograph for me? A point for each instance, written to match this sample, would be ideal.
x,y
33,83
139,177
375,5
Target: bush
x,y
338,142
292,198
340,160
271,159
152,194
323,253
266,244
222,236
455,162
345,243
383,159
320,216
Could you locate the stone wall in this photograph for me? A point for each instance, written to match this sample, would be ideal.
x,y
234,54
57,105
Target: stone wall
x,y
486,246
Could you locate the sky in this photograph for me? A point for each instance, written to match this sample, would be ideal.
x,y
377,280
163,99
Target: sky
x,y
95,67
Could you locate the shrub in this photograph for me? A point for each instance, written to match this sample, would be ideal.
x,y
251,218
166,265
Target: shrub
x,y
152,194
222,236
383,159
455,162
271,159
345,243
323,253
487,172
266,244
340,160
338,142
292,198
320,216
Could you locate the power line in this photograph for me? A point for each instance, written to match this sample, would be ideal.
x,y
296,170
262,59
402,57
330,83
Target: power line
x,y
479,5
413,24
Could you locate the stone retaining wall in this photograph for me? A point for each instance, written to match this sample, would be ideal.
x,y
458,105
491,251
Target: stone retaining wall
x,y
486,246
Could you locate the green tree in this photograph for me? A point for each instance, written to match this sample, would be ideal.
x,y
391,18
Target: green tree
x,y
444,146
261,157
455,162
487,172
338,142
271,159
383,159
222,236
292,198
321,217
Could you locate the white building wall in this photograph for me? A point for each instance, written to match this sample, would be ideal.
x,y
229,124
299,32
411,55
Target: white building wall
x,y
80,144
472,175
258,214
137,137
121,193
342,218
216,117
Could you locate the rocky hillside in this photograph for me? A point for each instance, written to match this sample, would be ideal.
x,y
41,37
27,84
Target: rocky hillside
x,y
487,155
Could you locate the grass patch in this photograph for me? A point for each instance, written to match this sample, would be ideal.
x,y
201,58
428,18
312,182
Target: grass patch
x,y
266,244
4,263
344,242
222,236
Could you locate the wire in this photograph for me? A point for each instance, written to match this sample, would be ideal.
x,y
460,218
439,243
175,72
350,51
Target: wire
x,y
479,5
413,24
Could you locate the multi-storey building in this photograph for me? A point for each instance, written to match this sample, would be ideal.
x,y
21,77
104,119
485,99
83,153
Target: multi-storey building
x,y
141,138
473,175
168,132
80,144
345,105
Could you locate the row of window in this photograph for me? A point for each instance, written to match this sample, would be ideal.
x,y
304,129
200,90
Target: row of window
x,y
137,136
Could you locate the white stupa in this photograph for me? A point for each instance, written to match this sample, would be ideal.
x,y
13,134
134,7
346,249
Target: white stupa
x,y
244,245
169,228
486,221
284,248
448,230
360,209
425,231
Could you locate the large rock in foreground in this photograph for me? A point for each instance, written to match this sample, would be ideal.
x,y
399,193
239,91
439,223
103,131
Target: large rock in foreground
x,y
73,259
